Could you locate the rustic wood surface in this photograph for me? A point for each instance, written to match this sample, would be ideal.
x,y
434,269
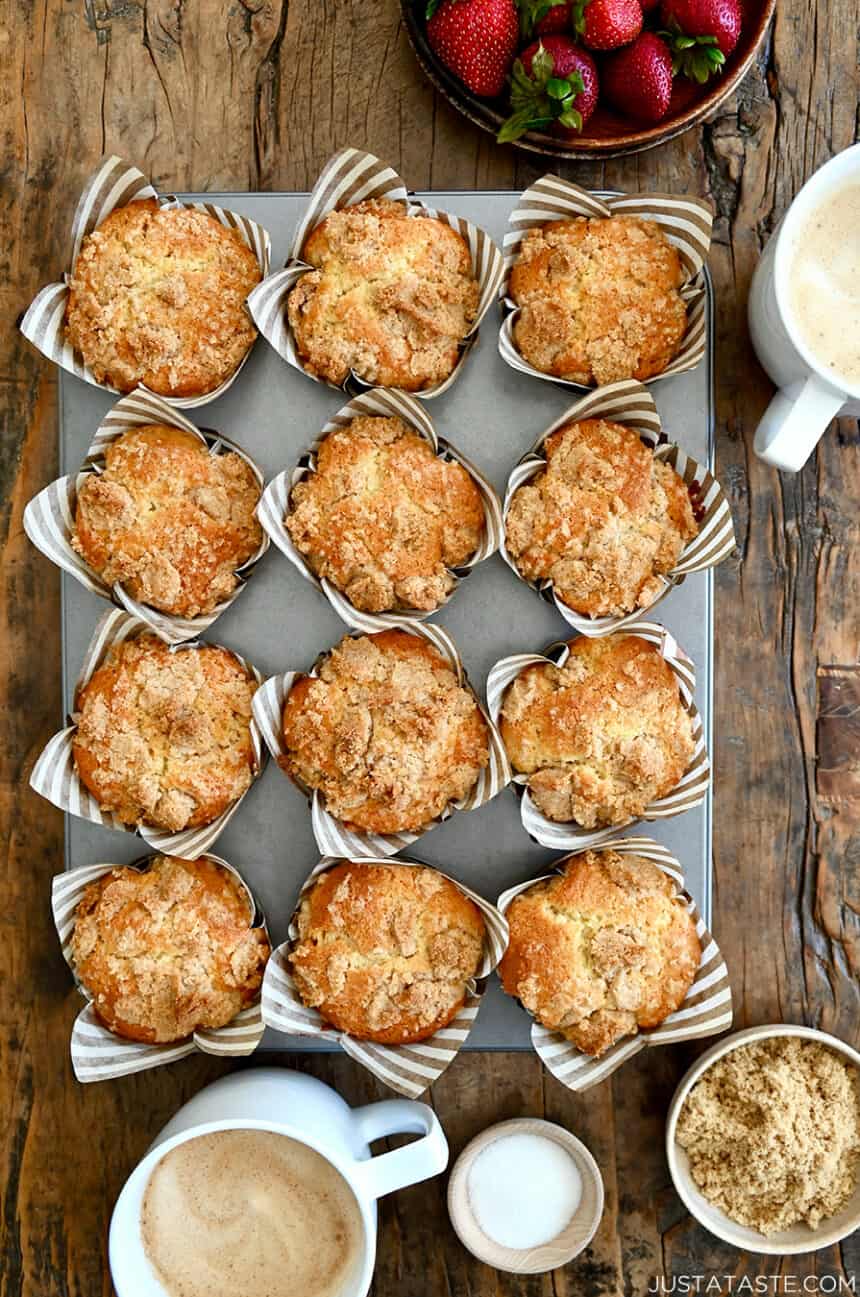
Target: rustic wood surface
x,y
255,95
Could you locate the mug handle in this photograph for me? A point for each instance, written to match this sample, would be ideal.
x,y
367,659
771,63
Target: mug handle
x,y
402,1166
794,421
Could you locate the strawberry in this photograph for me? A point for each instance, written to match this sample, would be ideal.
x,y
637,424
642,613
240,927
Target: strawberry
x,y
476,40
543,18
606,24
701,34
638,80
553,87
648,5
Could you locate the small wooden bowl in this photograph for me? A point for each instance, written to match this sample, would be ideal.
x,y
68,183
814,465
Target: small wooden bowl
x,y
607,134
575,1236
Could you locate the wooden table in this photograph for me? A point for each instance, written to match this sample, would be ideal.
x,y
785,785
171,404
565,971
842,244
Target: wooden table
x,y
255,95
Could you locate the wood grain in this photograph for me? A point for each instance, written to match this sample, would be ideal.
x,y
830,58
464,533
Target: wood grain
x,y
256,94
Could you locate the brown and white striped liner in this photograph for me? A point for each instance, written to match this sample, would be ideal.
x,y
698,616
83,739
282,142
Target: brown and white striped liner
x,y
275,503
100,1055
707,1006
332,836
349,177
685,221
49,518
630,403
409,1069
55,777
690,789
114,183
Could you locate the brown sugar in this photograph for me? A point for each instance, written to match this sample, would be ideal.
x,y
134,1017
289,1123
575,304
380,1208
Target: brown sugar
x,y
772,1132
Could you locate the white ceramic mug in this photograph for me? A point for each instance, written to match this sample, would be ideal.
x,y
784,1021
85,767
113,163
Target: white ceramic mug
x,y
286,1103
809,395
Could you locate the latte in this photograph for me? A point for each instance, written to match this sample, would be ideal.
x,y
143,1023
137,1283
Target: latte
x,y
824,281
242,1212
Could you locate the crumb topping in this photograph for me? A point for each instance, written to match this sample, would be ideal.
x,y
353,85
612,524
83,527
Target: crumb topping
x,y
603,521
599,299
157,296
385,732
602,950
391,297
772,1131
168,521
164,737
385,952
169,949
601,736
384,518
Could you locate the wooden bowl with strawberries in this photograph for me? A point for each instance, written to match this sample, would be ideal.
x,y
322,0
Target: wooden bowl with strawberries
x,y
586,78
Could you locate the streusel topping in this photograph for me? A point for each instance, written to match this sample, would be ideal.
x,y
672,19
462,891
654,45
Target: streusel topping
x,y
603,521
384,518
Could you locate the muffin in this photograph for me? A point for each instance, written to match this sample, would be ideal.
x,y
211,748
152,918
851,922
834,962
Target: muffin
x,y
163,737
391,297
157,296
168,521
386,952
604,521
385,732
599,299
602,950
168,950
383,518
600,737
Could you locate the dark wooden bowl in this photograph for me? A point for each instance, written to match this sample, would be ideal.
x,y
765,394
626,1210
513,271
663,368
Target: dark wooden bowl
x,y
607,134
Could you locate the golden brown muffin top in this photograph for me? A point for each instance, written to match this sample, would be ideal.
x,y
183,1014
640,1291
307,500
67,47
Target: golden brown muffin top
x,y
169,949
384,518
385,952
599,299
167,520
164,736
601,950
601,736
385,732
392,297
157,296
602,521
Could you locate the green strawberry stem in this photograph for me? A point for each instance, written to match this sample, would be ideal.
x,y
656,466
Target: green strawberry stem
x,y
696,57
531,12
539,98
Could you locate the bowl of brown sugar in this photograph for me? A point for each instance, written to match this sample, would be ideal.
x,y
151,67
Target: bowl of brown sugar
x,y
763,1139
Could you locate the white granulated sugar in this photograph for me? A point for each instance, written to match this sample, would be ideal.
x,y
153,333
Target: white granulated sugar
x,y
523,1190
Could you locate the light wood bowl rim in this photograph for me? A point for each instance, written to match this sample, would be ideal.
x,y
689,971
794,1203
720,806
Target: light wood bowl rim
x,y
548,1256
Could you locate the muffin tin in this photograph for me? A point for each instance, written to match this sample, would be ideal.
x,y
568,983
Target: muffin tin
x,y
493,415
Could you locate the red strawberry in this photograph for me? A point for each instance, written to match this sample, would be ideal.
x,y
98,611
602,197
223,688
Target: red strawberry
x,y
553,88
648,5
543,18
476,40
606,24
701,34
638,80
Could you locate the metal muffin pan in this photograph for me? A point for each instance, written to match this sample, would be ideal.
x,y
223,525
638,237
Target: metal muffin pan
x,y
493,414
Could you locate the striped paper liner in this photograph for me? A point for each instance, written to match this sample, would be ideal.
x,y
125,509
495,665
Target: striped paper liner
x,y
349,177
114,183
630,403
55,776
685,221
409,1069
688,792
332,836
705,1011
49,518
100,1055
275,503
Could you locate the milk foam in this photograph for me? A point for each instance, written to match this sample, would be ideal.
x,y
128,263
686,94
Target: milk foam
x,y
824,281
242,1212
